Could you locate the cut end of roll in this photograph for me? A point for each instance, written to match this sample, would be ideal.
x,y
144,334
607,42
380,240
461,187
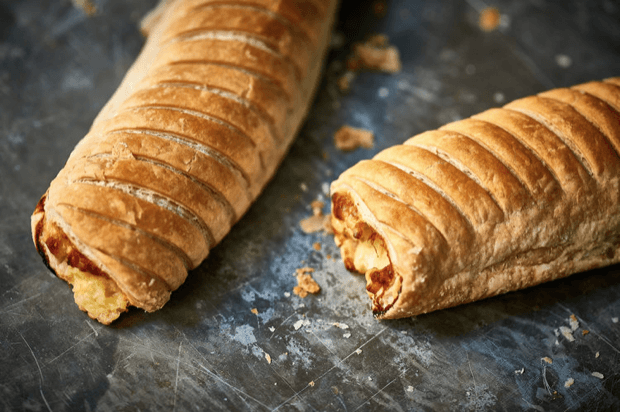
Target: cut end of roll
x,y
94,292
364,250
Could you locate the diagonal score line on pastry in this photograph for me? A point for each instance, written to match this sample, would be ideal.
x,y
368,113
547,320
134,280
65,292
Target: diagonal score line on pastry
x,y
159,200
541,183
217,156
264,116
249,8
210,190
600,119
572,225
434,187
187,262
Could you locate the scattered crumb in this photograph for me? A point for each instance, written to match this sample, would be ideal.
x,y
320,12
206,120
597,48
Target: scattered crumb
x,y
358,351
614,320
287,294
569,382
346,335
598,375
335,390
585,332
303,187
86,5
268,358
375,54
341,325
489,19
305,283
254,311
566,332
379,8
574,323
311,383
344,81
350,138
383,92
272,329
520,372
316,246
499,97
597,355
547,359
300,323
409,388
317,221
563,61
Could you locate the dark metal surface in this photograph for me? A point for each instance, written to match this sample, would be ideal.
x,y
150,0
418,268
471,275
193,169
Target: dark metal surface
x,y
207,349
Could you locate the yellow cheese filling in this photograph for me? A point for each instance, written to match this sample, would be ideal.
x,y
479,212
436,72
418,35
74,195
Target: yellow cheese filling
x,y
99,296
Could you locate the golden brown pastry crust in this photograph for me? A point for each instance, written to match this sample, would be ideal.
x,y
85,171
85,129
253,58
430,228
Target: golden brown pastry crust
x,y
506,199
194,132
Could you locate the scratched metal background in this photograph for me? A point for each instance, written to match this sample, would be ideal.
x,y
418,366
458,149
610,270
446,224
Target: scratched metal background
x,y
206,350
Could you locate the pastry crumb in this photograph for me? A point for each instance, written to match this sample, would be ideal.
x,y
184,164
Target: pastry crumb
x,y
520,372
598,375
489,19
254,311
316,246
318,221
547,359
268,357
87,6
585,332
311,383
349,138
305,283
566,332
597,355
574,323
344,81
569,382
375,54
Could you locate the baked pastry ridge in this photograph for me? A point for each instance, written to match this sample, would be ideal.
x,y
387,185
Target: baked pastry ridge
x,y
189,139
509,198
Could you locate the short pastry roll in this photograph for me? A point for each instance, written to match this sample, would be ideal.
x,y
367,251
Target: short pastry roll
x,y
188,141
506,199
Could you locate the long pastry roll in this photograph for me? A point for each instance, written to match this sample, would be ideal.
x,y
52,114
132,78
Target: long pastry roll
x,y
188,141
506,199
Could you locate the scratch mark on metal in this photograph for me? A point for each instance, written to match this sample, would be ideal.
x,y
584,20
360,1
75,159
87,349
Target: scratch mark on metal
x,y
71,347
283,322
8,308
544,376
330,369
40,373
585,325
93,328
378,392
176,379
234,388
472,374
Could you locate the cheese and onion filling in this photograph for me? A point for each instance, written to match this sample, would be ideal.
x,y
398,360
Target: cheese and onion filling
x,y
99,296
364,250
